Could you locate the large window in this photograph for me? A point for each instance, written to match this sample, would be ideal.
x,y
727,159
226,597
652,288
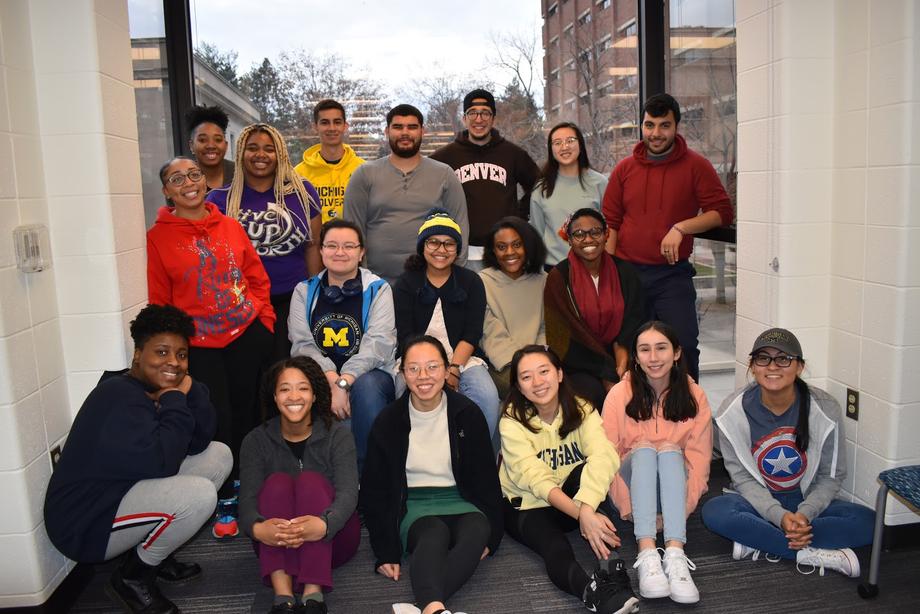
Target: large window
x,y
151,96
701,73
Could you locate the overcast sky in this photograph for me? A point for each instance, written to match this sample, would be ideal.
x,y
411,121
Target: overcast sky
x,y
395,41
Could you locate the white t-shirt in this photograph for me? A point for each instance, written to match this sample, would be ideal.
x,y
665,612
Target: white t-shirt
x,y
428,461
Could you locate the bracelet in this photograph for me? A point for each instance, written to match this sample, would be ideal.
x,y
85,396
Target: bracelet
x,y
453,365
682,233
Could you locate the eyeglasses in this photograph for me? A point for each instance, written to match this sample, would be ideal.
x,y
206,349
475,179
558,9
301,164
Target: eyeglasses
x,y
178,179
570,140
432,368
436,244
334,247
581,235
781,360
472,114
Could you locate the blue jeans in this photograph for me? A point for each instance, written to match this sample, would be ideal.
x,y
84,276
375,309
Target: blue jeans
x,y
841,525
671,297
657,480
370,393
477,385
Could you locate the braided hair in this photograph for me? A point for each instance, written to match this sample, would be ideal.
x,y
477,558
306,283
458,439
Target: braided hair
x,y
287,181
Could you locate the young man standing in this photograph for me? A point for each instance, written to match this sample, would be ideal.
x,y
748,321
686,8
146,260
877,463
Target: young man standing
x,y
656,200
329,164
388,198
490,169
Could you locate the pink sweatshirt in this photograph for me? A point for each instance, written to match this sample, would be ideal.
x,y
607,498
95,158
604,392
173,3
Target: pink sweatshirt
x,y
694,437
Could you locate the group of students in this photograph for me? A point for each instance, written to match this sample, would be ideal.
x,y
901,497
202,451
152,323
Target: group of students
x,y
334,393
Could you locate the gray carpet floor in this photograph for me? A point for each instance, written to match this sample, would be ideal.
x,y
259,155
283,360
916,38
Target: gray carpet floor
x,y
514,581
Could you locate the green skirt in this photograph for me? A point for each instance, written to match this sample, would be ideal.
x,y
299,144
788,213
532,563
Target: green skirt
x,y
432,501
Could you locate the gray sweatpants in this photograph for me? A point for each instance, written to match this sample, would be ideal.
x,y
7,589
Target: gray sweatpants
x,y
160,515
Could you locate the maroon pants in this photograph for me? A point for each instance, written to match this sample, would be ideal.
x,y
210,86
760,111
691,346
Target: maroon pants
x,y
283,496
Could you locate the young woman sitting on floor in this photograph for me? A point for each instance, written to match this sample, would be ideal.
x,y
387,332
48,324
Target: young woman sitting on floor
x,y
299,487
557,466
139,474
783,445
429,487
660,422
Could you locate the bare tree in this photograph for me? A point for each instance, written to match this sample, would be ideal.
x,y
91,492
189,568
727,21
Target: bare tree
x,y
300,79
517,54
605,114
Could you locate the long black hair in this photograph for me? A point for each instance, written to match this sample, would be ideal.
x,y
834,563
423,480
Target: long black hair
x,y
550,171
518,407
804,395
679,404
322,395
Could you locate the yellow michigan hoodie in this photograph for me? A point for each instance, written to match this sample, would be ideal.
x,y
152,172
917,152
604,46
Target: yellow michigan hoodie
x,y
535,463
329,180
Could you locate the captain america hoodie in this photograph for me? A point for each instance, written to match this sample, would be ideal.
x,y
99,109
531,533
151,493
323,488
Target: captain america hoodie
x,y
209,269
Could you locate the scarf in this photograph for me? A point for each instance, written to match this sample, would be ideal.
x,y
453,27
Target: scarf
x,y
601,308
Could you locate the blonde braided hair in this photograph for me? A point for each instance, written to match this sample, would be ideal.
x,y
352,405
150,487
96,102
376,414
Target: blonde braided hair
x,y
287,181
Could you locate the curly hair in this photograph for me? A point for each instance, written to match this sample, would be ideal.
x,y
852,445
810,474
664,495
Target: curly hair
x,y
198,115
155,320
520,408
322,395
287,181
534,248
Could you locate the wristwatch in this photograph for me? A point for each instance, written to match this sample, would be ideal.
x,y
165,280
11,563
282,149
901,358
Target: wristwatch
x,y
343,384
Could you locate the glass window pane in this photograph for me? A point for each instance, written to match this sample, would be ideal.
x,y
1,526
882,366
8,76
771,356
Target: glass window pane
x,y
591,62
702,75
151,95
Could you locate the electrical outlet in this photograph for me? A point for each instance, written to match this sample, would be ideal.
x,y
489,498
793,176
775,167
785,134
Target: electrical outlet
x,y
852,403
55,456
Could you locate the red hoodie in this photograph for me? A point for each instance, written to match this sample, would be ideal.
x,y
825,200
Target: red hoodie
x,y
209,269
645,197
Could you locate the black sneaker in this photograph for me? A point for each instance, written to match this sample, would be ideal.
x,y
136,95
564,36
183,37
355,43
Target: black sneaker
x,y
173,571
610,592
311,606
283,608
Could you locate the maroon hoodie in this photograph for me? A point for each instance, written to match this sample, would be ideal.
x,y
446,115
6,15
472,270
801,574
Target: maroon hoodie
x,y
645,197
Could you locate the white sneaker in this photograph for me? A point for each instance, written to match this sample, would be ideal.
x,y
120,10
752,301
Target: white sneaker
x,y
677,566
652,581
740,552
405,608
843,560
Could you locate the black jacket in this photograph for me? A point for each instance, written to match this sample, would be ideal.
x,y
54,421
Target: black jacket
x,y
118,438
463,301
383,492
569,336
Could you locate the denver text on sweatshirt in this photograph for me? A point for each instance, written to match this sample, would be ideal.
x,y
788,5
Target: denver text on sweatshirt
x,y
490,174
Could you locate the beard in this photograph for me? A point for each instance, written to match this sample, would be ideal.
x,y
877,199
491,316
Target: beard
x,y
405,152
663,149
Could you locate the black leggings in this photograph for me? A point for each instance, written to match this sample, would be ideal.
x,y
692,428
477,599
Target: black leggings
x,y
543,530
589,387
443,553
232,375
